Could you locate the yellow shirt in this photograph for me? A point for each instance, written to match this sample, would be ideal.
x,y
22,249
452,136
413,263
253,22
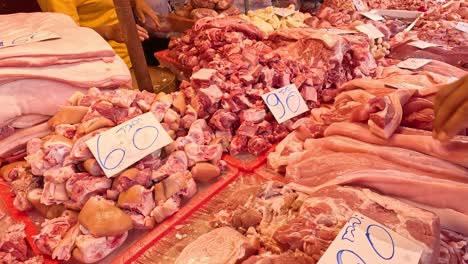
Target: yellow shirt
x,y
89,13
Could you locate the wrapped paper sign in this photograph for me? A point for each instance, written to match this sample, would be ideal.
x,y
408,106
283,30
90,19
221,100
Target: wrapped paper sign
x,y
22,38
462,26
413,63
422,44
370,31
364,241
373,16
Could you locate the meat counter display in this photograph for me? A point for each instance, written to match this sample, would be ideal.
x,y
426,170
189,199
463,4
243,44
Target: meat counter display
x,y
367,80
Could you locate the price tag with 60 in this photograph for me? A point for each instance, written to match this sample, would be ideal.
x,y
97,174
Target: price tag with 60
x,y
118,148
285,103
365,241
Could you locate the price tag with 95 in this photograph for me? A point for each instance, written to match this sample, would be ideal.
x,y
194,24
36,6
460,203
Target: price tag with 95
x,y
285,103
118,148
365,241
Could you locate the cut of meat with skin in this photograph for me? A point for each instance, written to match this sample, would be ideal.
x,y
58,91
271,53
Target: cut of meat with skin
x,y
455,151
176,162
388,119
81,186
52,232
328,209
66,48
18,140
418,188
222,245
64,247
85,74
94,249
403,157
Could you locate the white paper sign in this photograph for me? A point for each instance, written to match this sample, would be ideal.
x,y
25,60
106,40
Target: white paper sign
x,y
339,31
284,12
364,241
285,103
359,5
413,64
422,44
405,14
27,38
403,86
462,26
203,74
372,15
118,148
370,31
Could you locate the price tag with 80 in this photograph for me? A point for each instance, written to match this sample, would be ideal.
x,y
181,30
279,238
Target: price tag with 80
x,y
365,241
118,148
285,103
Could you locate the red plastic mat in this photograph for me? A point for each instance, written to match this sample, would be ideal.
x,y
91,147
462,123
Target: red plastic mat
x,y
169,245
7,198
247,162
142,245
181,72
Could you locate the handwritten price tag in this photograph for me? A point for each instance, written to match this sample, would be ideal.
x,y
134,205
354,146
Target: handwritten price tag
x,y
370,31
118,148
285,103
422,44
27,38
359,5
412,63
373,16
462,26
363,240
401,14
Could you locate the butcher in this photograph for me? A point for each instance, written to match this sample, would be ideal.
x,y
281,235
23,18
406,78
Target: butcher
x,y
451,109
100,15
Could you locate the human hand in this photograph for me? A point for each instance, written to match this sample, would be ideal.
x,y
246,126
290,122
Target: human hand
x,y
451,109
141,9
115,33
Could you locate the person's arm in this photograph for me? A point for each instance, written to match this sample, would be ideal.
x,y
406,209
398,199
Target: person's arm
x,y
451,109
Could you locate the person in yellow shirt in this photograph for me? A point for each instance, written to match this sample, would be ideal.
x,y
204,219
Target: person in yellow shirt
x,y
100,15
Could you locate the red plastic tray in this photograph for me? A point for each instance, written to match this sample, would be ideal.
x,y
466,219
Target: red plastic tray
x,y
138,248
7,197
247,162
181,72
192,225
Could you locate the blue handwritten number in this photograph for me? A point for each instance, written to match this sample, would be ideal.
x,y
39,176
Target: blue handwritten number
x,y
355,258
297,101
278,101
21,40
349,231
369,238
103,163
139,130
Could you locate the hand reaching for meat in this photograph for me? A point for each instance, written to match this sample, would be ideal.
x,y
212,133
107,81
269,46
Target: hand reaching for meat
x,y
451,109
115,33
142,9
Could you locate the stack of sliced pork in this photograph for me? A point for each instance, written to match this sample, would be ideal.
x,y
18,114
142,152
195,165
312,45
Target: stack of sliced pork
x,y
37,77
380,138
